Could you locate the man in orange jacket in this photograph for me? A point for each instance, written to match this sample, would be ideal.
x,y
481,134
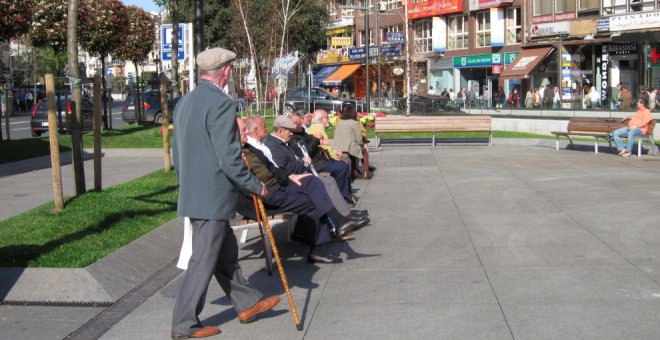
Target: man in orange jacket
x,y
637,126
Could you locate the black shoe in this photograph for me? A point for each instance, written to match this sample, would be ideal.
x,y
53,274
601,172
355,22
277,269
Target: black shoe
x,y
346,227
372,168
361,222
319,256
359,213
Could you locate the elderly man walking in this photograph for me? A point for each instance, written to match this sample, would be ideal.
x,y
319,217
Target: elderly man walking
x,y
210,169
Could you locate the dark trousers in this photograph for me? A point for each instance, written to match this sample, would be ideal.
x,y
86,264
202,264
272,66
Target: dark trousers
x,y
215,253
341,172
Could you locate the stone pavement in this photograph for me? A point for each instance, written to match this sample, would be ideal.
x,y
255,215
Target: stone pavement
x,y
466,242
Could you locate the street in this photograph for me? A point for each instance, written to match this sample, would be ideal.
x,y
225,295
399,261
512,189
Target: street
x,y
20,124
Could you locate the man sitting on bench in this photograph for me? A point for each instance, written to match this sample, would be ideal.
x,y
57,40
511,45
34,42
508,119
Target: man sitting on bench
x,y
299,193
637,126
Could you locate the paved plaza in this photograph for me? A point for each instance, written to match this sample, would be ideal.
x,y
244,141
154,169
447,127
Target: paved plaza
x,y
517,241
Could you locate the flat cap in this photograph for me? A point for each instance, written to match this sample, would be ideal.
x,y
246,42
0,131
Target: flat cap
x,y
284,122
214,58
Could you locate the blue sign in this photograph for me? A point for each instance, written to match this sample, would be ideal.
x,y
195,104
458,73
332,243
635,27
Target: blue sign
x,y
166,42
393,50
356,53
394,37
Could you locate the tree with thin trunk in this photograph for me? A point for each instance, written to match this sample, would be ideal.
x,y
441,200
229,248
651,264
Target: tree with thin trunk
x,y
76,92
138,43
106,25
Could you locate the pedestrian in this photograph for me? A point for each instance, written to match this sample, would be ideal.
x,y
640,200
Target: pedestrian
x,y
548,96
653,98
616,97
625,100
210,169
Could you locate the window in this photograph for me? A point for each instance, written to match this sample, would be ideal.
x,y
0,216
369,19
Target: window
x,y
332,9
589,5
363,38
423,36
562,6
392,4
642,5
614,6
458,32
345,12
513,26
483,29
542,7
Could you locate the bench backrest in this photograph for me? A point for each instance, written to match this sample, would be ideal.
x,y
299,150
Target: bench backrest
x,y
433,124
649,132
604,125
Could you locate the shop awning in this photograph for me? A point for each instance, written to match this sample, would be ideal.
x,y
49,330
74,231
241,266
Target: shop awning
x,y
324,73
342,73
525,62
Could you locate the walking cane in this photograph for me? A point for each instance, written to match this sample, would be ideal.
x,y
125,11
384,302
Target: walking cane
x,y
268,263
261,211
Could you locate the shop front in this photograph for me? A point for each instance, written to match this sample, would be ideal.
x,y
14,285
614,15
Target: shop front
x,y
478,72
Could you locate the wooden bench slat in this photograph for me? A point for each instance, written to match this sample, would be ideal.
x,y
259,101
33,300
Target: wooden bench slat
x,y
434,124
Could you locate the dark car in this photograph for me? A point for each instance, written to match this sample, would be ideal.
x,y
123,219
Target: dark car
x,y
297,99
151,104
39,120
428,104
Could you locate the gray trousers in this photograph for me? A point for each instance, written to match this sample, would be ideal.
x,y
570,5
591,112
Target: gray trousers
x,y
215,252
334,193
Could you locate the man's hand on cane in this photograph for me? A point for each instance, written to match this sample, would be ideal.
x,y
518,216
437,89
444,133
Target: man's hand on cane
x,y
264,190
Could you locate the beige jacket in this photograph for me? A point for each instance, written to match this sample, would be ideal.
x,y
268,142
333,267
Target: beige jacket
x,y
348,138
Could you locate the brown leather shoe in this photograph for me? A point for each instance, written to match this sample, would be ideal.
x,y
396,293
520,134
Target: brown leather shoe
x,y
263,305
200,333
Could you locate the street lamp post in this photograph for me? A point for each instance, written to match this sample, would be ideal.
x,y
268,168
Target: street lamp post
x,y
366,47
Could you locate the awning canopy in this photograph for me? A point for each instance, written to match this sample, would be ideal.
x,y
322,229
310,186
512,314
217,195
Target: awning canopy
x,y
324,73
342,73
525,62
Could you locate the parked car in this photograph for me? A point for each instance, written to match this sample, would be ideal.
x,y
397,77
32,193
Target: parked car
x,y
39,120
152,110
429,104
297,99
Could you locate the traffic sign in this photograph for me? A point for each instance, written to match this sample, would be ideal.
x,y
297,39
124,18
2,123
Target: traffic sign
x,y
166,42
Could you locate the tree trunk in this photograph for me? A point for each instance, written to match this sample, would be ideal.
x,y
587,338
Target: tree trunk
x,y
138,102
167,161
174,13
104,96
53,137
97,132
74,73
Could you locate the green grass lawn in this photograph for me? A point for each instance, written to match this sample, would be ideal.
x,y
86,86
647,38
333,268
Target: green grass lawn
x,y
132,136
91,226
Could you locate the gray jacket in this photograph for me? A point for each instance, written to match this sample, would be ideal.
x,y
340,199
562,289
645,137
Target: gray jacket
x,y
207,155
348,138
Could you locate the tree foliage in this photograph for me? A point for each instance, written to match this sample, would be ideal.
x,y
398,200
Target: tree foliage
x,y
49,24
105,25
306,29
15,17
140,37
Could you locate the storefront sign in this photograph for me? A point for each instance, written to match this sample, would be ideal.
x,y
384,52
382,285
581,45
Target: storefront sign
x,y
497,69
397,71
333,55
478,60
603,25
553,17
622,49
603,65
555,28
635,21
509,57
431,8
341,41
476,5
